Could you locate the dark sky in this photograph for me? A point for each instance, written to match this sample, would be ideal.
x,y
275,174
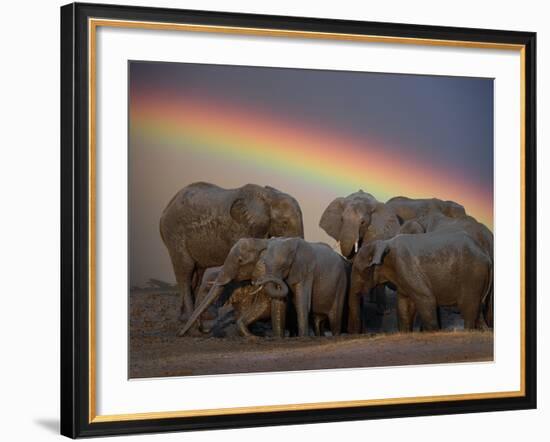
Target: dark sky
x,y
428,112
444,124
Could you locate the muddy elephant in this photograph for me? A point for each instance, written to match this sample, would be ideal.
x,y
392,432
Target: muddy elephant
x,y
203,221
239,266
240,303
316,275
428,270
437,222
409,208
357,219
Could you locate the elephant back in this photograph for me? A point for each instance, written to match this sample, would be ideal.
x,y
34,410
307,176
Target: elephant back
x,y
468,224
207,220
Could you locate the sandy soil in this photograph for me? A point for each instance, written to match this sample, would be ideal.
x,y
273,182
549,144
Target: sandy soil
x,y
155,351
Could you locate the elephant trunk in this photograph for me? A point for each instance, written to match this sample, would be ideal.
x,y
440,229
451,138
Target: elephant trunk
x,y
354,302
278,317
215,291
274,287
368,280
350,239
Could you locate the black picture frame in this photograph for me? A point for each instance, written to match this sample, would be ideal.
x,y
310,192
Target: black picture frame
x,y
75,219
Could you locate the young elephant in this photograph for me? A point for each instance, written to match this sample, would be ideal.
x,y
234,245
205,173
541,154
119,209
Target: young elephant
x,y
437,222
237,268
316,274
241,303
428,270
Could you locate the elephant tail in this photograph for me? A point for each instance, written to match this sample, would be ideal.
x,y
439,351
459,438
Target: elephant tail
x,y
488,300
491,308
164,230
160,230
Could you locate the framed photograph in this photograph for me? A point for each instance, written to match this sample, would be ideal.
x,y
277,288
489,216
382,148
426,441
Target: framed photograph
x,y
274,220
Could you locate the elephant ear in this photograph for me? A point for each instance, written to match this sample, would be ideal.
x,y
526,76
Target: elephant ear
x,y
412,226
381,249
331,220
384,221
299,268
251,210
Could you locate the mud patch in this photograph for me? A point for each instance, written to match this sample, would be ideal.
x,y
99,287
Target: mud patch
x,y
155,351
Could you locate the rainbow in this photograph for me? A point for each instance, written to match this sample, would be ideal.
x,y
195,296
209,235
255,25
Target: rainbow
x,y
319,155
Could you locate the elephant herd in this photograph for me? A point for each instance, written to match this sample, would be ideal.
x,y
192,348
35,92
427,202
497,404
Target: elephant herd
x,y
240,257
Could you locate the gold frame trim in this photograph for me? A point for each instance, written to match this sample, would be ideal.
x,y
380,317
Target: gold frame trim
x,y
93,24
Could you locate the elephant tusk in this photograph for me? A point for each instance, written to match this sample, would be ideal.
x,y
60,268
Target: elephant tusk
x,y
261,286
356,246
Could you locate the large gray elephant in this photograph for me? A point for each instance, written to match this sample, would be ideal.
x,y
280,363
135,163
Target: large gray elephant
x,y
241,303
203,221
437,222
428,270
410,208
239,265
317,276
357,219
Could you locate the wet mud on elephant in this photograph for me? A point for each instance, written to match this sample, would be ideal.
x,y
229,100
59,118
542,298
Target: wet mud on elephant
x,y
203,221
437,222
428,270
239,266
240,303
316,275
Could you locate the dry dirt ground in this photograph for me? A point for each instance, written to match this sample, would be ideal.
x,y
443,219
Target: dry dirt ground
x,y
155,351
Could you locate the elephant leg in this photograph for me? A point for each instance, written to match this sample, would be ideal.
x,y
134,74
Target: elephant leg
x,y
427,310
355,297
318,324
406,311
278,317
471,313
335,315
335,323
379,295
439,323
488,309
481,323
197,279
242,326
244,319
354,314
302,301
251,314
184,267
